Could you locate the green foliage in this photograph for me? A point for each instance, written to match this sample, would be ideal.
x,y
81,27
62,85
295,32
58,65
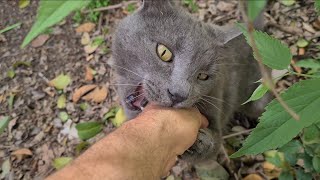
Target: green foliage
x,y
88,130
92,16
61,162
317,5
50,13
274,54
304,99
191,4
4,123
10,28
258,93
131,8
255,8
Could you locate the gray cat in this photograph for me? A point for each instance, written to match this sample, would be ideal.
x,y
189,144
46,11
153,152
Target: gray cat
x,y
162,54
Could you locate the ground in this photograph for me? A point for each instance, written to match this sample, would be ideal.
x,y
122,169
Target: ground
x,y
35,124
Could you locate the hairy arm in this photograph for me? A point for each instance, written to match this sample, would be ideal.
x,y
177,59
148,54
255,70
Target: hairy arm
x,y
144,148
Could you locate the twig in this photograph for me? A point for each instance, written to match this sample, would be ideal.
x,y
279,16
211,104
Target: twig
x,y
266,76
116,6
237,134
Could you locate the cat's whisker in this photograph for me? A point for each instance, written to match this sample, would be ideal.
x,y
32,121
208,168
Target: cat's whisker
x,y
124,85
217,99
211,104
128,70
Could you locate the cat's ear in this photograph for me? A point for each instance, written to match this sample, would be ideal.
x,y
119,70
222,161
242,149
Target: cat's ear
x,y
230,34
155,3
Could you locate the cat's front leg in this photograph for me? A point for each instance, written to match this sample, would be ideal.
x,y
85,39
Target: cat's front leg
x,y
206,146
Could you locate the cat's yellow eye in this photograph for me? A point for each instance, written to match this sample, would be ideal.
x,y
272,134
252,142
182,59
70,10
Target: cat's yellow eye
x,y
164,53
203,76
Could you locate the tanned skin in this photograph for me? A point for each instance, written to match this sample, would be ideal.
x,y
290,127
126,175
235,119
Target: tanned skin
x,y
143,148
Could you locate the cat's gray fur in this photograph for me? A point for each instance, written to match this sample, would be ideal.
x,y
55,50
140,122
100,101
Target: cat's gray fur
x,y
220,52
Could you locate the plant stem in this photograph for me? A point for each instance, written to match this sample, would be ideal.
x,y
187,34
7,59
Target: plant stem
x,y
116,6
267,80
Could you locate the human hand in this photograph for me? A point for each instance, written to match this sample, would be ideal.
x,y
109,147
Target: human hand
x,y
173,132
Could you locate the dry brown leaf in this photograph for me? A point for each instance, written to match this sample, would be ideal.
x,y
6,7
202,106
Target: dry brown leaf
x,y
90,57
301,51
85,39
78,93
90,48
40,40
89,74
98,95
86,27
271,170
253,177
20,153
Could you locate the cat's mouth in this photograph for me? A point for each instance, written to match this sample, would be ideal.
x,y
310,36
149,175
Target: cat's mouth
x,y
137,101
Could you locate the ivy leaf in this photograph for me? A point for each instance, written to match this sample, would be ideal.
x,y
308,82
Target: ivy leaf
x,y
61,162
276,126
50,13
4,123
255,8
258,93
88,130
274,54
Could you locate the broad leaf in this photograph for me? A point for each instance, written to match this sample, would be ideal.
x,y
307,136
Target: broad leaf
x,y
302,175
276,126
309,63
258,93
4,123
60,82
255,8
291,147
274,54
88,130
61,162
50,13
286,176
311,135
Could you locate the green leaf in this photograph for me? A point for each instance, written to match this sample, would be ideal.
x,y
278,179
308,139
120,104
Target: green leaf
x,y
286,176
317,5
11,101
258,93
309,63
61,101
50,13
60,82
21,63
11,74
311,135
5,167
10,28
255,8
61,162
63,116
81,147
316,163
276,126
119,119
274,54
111,113
302,43
291,147
23,3
276,160
301,175
84,106
88,130
307,161
4,123
288,2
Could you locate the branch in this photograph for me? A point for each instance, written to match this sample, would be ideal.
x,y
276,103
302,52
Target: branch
x,y
267,80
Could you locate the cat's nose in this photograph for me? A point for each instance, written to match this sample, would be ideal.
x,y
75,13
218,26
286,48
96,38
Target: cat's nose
x,y
176,98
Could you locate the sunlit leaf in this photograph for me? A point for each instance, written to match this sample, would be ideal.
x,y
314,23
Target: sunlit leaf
x,y
61,103
60,82
258,93
63,116
88,130
119,119
61,162
23,3
50,13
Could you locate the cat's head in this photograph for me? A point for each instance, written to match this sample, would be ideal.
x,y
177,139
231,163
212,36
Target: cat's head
x,y
174,57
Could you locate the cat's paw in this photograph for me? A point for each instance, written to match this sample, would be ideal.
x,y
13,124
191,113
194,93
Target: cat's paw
x,y
206,146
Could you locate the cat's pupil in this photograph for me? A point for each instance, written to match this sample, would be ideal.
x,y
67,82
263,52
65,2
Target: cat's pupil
x,y
164,52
